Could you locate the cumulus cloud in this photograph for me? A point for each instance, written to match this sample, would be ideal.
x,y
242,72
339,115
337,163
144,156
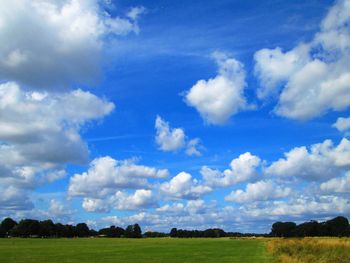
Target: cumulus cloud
x,y
167,138
174,139
273,67
315,76
217,99
249,217
192,207
343,125
337,185
259,191
141,199
182,186
39,132
69,36
321,161
106,174
301,207
243,168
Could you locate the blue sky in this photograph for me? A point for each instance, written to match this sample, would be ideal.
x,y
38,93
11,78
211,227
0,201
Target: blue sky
x,y
231,114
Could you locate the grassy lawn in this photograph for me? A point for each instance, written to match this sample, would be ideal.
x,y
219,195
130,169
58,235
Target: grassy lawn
x,y
131,250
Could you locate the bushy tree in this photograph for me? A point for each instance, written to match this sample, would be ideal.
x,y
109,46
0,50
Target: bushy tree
x,y
337,226
133,231
173,232
112,231
47,228
82,230
283,229
7,224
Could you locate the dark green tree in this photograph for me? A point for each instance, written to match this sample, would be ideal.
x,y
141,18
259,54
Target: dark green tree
x,y
283,229
7,224
337,226
47,228
133,231
82,230
173,232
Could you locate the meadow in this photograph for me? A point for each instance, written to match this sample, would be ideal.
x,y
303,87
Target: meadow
x,y
292,250
133,250
310,250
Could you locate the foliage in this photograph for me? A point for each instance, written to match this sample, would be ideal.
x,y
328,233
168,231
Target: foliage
x,y
155,234
133,231
338,226
112,232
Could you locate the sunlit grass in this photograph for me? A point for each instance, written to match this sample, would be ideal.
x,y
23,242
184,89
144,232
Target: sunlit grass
x,y
134,250
310,250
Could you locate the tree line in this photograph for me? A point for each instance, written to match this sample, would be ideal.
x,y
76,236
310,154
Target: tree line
x,y
46,228
336,227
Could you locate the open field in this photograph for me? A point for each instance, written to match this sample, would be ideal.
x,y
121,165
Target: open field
x,y
311,250
133,250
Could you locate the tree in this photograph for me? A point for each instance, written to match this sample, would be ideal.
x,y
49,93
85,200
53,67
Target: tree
x,y
337,226
173,232
308,229
82,230
137,231
26,228
47,228
283,229
7,224
2,232
133,231
112,231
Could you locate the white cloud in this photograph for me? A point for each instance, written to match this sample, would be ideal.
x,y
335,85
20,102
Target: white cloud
x,y
39,132
217,99
301,207
343,125
182,186
193,147
273,67
337,185
106,174
174,139
14,199
249,217
259,191
167,138
243,168
192,207
59,211
315,75
141,199
69,36
135,12
321,161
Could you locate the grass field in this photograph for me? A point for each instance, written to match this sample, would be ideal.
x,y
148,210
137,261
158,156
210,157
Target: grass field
x,y
311,250
133,250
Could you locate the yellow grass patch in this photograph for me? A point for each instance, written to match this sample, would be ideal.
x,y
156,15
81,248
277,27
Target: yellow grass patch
x,y
310,250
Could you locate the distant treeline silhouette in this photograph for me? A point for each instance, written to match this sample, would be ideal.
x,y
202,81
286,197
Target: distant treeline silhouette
x,y
338,226
46,228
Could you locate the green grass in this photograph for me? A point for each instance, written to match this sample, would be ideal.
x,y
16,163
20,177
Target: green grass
x,y
133,250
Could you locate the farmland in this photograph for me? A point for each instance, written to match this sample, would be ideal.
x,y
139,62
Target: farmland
x,y
292,250
133,250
